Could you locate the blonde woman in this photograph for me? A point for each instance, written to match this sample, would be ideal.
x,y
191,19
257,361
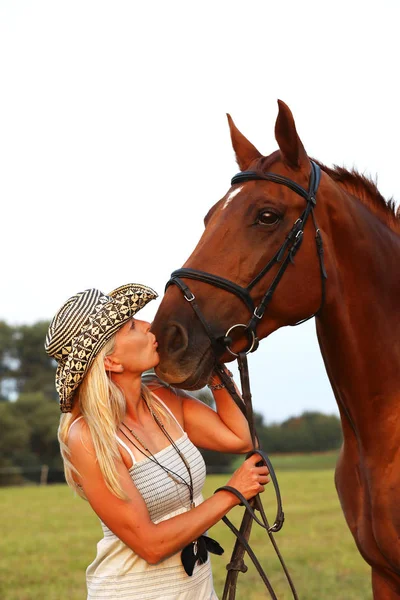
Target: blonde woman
x,y
132,454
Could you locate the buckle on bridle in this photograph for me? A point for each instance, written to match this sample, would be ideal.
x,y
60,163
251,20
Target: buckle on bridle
x,y
191,298
255,313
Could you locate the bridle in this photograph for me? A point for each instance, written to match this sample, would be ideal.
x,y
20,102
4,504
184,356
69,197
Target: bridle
x,y
283,257
290,246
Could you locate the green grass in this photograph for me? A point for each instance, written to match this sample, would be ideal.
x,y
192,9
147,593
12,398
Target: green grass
x,y
48,537
302,462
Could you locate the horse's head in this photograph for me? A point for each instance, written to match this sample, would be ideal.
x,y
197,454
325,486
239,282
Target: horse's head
x,y
243,232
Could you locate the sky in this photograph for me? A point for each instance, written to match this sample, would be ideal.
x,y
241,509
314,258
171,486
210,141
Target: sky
x,y
114,141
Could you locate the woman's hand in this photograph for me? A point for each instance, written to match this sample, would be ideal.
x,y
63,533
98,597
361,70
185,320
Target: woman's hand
x,y
215,378
249,479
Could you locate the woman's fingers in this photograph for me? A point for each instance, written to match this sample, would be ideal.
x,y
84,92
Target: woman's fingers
x,y
262,470
253,459
262,474
250,479
264,479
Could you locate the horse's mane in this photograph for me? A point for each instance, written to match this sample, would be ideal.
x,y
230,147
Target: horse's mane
x,y
355,184
367,192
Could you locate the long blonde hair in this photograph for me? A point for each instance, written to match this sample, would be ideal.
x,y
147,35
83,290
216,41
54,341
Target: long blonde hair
x,y
102,404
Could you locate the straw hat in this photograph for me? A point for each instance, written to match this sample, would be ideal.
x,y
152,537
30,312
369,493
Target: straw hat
x,y
82,327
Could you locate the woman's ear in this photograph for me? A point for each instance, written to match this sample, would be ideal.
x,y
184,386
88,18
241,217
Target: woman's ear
x,y
112,365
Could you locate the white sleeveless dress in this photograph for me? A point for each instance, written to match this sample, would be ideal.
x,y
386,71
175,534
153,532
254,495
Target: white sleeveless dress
x,y
119,573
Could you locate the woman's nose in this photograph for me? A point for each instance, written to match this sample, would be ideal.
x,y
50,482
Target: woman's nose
x,y
146,326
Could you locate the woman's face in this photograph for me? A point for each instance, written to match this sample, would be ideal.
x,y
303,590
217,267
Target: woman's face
x,y
135,347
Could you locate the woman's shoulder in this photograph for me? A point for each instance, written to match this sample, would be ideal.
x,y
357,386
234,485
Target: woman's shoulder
x,y
78,434
168,395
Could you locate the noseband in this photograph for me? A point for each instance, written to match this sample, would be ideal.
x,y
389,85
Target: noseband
x,y
284,255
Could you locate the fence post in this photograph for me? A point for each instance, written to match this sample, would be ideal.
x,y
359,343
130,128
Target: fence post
x,y
43,474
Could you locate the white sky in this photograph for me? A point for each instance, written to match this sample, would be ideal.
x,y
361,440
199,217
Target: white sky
x,y
114,142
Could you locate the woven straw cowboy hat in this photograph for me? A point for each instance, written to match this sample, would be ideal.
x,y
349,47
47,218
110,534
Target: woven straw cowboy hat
x,y
82,327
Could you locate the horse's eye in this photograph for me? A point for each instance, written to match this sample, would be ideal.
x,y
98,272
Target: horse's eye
x,y
267,217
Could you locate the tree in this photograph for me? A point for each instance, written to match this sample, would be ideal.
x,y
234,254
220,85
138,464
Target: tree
x,y
35,370
309,432
15,432
6,359
42,416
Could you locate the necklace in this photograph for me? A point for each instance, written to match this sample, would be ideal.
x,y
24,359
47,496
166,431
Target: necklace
x,y
173,444
196,551
174,476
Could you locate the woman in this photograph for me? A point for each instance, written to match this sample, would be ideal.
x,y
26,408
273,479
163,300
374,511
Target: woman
x,y
132,454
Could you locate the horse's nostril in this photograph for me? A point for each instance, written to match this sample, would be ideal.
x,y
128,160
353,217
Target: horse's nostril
x,y
176,339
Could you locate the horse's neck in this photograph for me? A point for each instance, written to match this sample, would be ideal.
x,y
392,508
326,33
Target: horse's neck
x,y
359,328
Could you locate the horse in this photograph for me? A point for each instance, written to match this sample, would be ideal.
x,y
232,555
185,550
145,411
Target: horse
x,y
345,271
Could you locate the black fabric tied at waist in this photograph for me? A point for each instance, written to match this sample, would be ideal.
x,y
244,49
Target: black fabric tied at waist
x,y
197,551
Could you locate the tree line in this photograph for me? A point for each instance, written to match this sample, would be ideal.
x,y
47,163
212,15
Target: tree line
x,y
29,412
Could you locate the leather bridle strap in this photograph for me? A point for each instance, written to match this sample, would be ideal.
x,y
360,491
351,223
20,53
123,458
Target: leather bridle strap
x,y
236,564
216,281
218,344
244,176
290,247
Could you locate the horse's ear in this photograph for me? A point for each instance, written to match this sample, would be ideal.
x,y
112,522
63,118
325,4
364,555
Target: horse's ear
x,y
244,150
291,147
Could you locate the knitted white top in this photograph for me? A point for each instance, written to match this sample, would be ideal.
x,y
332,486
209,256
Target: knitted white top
x,y
119,573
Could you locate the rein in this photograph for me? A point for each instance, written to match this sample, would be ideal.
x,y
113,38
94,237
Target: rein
x,y
237,564
284,256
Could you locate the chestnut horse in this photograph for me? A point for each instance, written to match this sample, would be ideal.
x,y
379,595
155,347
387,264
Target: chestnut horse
x,y
358,316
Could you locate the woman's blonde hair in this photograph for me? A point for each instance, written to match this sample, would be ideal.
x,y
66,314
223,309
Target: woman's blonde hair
x,y
102,404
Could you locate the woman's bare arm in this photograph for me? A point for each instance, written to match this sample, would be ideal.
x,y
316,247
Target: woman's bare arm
x,y
129,519
223,430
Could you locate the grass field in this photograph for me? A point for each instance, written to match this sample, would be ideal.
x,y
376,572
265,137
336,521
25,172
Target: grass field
x,y
48,537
